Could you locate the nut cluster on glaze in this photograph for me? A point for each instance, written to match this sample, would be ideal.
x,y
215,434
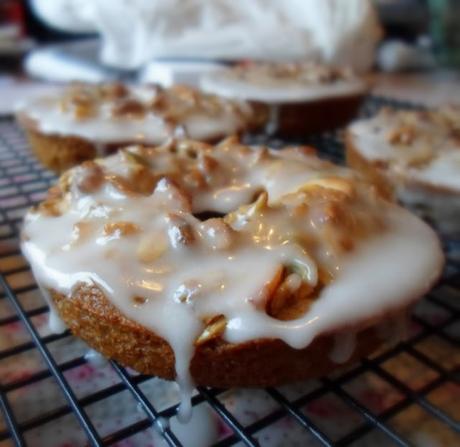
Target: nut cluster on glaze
x,y
173,104
191,185
308,73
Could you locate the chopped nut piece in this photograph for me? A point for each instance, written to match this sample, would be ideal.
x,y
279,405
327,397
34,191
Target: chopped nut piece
x,y
133,155
81,103
207,164
113,90
180,232
65,181
192,149
217,233
50,208
244,213
291,299
120,228
54,193
269,288
143,179
122,184
139,300
214,329
130,108
195,179
262,154
404,135
277,300
54,204
293,282
152,246
187,148
170,192
335,183
229,142
89,177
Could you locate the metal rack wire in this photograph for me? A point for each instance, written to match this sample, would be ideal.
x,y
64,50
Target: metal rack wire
x,y
23,182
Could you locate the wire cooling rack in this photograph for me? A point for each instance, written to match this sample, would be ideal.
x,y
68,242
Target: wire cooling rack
x,y
53,392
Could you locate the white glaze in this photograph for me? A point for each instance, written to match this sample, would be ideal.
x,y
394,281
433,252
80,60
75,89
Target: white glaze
x,y
152,128
260,84
55,324
189,281
95,358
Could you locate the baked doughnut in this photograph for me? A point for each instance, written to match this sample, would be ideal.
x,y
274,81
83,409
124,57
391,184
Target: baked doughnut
x,y
227,265
304,97
417,155
85,120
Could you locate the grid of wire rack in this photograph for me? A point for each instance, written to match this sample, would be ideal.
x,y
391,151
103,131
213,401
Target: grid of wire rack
x,y
23,182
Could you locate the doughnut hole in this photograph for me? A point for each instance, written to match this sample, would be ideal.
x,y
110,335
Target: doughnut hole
x,y
206,215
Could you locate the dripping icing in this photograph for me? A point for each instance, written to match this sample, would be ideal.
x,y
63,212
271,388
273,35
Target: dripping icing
x,y
343,348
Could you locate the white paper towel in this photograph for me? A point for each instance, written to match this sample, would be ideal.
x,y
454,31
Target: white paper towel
x,y
136,31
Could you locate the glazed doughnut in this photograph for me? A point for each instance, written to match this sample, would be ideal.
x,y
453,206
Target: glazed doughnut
x,y
417,155
84,120
304,97
227,265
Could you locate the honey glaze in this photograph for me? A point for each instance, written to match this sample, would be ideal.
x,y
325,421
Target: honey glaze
x,y
297,247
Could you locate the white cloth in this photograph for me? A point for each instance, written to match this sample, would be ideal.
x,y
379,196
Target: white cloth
x,y
136,31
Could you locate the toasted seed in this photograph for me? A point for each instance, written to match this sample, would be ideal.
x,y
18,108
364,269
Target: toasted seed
x,y
217,233
195,179
269,288
277,300
135,157
214,329
151,246
121,228
244,213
